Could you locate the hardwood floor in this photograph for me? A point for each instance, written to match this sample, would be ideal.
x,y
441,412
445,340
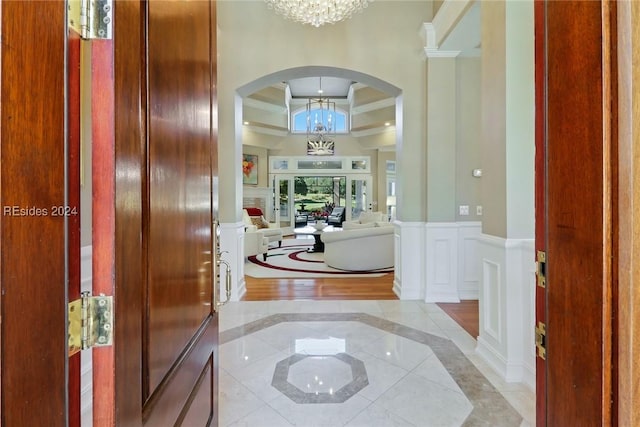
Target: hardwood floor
x,y
350,288
465,313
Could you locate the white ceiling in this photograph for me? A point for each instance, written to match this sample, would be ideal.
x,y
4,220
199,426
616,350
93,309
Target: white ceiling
x,y
309,86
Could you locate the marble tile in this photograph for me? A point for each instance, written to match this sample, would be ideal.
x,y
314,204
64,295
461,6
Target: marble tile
x,y
319,415
433,370
401,328
284,336
524,402
235,400
244,351
399,351
355,334
461,338
257,376
377,416
422,323
264,416
351,306
382,375
425,403
309,379
391,306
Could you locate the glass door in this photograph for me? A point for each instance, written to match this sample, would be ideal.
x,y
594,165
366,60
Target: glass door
x,y
282,200
359,196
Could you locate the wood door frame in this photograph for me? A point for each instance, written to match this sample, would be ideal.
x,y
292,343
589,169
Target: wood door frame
x,y
628,218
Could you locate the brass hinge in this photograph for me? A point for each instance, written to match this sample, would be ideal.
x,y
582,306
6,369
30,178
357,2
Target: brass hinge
x,y
541,340
90,322
92,19
542,269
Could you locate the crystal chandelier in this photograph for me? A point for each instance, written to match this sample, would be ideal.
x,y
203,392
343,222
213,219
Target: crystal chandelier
x,y
317,12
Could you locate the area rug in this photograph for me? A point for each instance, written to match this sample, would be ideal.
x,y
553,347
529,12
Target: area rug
x,y
293,261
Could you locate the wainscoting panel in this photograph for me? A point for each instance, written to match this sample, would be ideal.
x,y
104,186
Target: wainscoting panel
x,y
507,307
442,262
491,297
232,246
409,279
469,260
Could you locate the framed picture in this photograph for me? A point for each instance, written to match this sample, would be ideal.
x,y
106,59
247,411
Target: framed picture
x,y
250,169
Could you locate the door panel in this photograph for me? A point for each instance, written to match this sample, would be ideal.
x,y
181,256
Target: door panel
x,y
179,241
33,281
153,222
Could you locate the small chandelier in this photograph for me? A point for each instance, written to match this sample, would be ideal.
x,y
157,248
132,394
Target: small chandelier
x,y
317,12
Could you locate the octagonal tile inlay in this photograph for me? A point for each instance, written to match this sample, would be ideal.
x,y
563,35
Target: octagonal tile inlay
x,y
305,378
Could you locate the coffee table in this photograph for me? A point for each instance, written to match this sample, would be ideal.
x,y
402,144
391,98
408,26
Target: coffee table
x,y
310,230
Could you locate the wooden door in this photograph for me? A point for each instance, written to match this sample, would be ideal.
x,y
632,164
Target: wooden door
x,y
33,258
575,187
154,165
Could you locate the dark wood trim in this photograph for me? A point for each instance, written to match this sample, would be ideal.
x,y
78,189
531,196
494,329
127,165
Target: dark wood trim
x,y
540,195
73,205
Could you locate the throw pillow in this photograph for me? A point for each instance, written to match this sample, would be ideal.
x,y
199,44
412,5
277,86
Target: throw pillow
x,y
352,225
259,222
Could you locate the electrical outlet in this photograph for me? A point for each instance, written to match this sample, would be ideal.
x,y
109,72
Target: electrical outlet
x,y
479,210
464,209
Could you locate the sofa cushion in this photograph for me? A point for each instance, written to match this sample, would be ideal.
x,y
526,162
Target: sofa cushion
x,y
366,217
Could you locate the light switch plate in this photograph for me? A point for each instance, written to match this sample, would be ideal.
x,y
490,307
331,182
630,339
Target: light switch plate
x,y
479,210
464,209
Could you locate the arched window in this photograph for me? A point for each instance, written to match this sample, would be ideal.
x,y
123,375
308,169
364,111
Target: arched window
x,y
338,122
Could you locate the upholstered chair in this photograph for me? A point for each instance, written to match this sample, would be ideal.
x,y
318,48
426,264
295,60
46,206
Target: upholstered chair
x,y
254,220
256,243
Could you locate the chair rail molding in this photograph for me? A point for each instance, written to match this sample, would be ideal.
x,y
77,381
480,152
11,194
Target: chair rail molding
x,y
507,307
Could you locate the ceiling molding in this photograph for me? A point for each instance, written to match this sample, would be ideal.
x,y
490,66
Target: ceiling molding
x,y
437,53
266,129
265,106
374,130
372,106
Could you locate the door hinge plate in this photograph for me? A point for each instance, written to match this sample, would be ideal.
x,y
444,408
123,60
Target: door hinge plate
x,y
541,340
92,19
90,322
542,269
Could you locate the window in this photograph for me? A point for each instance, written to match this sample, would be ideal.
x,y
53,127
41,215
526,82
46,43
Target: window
x,y
299,122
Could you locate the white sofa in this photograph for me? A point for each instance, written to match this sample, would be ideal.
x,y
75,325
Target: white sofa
x,y
254,221
369,248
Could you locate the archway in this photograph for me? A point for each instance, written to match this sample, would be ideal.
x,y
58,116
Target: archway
x,y
296,73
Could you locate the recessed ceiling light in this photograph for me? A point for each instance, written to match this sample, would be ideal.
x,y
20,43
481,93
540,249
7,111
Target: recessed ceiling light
x,y
246,123
387,124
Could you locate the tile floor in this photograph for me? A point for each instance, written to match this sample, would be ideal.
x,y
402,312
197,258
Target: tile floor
x,y
358,363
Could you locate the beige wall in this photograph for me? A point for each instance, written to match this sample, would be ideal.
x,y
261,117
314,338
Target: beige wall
x,y
468,130
508,119
382,42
